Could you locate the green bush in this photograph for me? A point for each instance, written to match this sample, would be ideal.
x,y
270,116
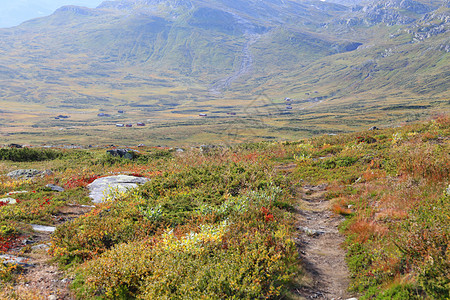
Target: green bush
x,y
28,154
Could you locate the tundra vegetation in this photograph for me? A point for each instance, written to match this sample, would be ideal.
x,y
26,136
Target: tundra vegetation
x,y
221,224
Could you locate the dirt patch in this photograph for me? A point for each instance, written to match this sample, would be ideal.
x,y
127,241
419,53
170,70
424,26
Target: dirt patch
x,y
42,279
319,243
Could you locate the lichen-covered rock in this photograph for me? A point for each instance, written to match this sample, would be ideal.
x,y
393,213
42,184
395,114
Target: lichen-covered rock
x,y
28,173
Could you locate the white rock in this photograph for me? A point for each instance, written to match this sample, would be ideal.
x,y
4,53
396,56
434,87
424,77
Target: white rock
x,y
42,228
17,192
8,200
101,186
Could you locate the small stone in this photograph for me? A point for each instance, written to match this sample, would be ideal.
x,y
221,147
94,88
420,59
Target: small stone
x,y
27,242
55,188
311,232
52,297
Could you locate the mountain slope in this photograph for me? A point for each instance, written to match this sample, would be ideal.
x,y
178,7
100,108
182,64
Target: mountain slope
x,y
168,60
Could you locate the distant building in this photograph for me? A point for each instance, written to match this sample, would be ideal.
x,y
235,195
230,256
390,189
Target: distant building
x,y
140,124
129,125
203,115
120,125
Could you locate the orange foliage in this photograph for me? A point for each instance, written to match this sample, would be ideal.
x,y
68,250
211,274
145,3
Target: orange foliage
x,y
366,230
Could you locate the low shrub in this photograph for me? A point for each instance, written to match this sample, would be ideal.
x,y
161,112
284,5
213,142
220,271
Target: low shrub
x,y
28,154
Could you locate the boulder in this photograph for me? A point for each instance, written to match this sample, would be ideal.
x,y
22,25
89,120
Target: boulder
x,y
100,187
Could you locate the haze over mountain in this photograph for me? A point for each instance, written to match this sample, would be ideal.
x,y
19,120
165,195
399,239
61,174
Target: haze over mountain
x,y
345,62
12,13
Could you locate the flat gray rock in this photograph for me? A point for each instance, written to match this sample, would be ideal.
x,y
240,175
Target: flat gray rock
x,y
8,200
55,188
41,228
28,173
41,247
102,186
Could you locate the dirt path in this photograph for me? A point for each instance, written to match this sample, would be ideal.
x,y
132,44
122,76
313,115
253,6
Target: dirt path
x,y
326,274
42,279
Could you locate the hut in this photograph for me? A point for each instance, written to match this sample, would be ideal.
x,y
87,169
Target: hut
x,y
120,125
203,115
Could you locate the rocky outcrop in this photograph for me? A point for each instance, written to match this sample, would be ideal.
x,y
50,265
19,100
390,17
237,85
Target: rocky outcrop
x,y
390,12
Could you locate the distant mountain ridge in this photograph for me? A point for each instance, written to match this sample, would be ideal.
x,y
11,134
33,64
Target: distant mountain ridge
x,y
184,56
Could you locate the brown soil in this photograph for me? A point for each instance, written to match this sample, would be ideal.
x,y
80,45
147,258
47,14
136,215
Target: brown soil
x,y
319,244
43,279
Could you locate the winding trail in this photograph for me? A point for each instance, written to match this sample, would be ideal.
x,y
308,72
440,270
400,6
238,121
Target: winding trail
x,y
42,279
319,243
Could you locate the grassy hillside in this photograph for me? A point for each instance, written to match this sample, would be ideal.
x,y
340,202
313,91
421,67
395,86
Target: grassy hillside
x,y
221,223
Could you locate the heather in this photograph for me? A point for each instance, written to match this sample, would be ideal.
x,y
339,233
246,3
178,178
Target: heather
x,y
221,223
